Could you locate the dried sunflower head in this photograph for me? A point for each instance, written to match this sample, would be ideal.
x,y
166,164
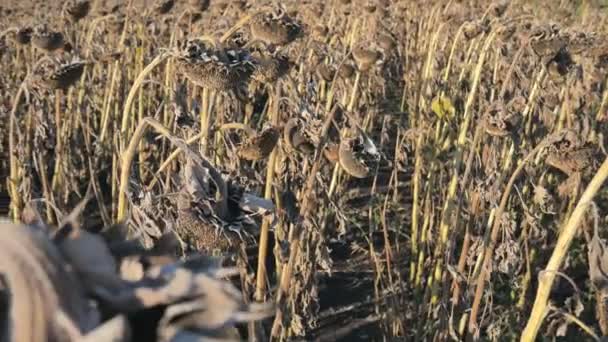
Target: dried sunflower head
x,y
567,140
498,8
214,68
24,35
199,5
569,154
326,72
573,161
66,75
259,146
213,209
386,43
366,56
560,65
163,6
320,32
60,77
275,28
346,70
547,41
506,32
579,42
296,139
74,10
331,153
473,29
270,68
198,226
356,154
498,122
369,6
46,39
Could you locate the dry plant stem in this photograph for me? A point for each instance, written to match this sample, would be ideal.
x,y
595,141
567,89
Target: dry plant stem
x,y
204,116
105,118
57,174
167,116
16,201
139,60
46,189
335,175
399,141
466,243
576,321
467,59
138,82
428,216
261,276
446,75
415,195
530,258
488,247
527,110
564,240
563,111
296,232
427,70
431,53
353,97
260,288
449,204
91,31
600,112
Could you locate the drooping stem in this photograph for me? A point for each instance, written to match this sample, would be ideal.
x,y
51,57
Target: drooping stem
x,y
126,112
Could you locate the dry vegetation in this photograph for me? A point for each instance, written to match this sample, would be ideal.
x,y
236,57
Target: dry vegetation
x,y
303,170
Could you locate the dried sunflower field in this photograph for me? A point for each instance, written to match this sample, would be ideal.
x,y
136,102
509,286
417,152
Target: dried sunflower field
x,y
303,170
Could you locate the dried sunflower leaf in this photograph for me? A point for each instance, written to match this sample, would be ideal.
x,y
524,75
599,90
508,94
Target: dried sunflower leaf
x,y
256,204
196,179
598,262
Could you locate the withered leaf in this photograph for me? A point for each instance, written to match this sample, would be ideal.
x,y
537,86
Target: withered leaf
x,y
598,262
